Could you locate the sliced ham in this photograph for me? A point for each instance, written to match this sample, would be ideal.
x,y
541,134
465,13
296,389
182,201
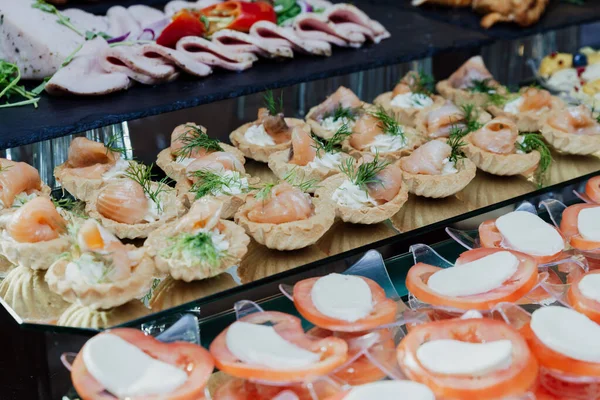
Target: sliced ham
x,y
132,61
85,76
239,42
86,20
285,37
178,58
145,15
31,39
120,22
214,54
349,19
317,27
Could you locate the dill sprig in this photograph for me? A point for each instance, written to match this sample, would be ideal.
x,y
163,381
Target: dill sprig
x,y
305,185
271,104
195,138
340,112
76,207
483,86
199,246
209,183
421,82
265,191
142,174
533,141
148,296
50,9
388,123
471,118
4,168
332,145
456,143
365,173
112,145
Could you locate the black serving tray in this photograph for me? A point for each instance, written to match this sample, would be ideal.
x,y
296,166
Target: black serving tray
x,y
413,37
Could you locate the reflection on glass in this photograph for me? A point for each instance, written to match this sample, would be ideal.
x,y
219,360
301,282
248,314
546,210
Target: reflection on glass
x,y
421,211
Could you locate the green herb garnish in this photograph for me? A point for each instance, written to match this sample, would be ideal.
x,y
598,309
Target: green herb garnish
x,y
76,207
142,174
71,56
471,118
483,86
305,185
49,8
421,82
340,112
89,35
112,145
332,145
456,143
205,21
209,183
271,105
365,173
197,246
9,87
388,123
40,88
195,138
265,191
148,296
533,141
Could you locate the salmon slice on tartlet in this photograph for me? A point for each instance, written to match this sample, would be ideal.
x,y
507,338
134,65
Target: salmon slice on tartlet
x,y
472,83
134,206
437,169
270,133
190,142
89,166
498,149
199,245
528,109
283,216
342,107
443,117
99,271
378,132
367,192
311,158
572,130
34,235
19,183
413,93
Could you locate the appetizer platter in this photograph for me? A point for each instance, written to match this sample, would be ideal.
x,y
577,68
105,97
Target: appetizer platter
x,y
285,196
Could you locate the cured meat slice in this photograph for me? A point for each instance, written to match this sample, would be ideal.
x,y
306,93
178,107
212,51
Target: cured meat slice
x,y
145,15
120,22
132,61
91,22
240,42
85,76
349,18
180,59
214,54
285,37
317,27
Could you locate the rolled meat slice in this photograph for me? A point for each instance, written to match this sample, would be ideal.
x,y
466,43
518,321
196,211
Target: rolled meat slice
x,y
313,26
350,19
180,59
132,61
240,42
213,54
286,37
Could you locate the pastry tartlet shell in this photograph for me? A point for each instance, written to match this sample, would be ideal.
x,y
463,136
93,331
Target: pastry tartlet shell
x,y
158,241
438,186
462,96
500,164
414,139
316,126
176,171
262,153
527,121
404,116
79,316
570,143
37,256
288,235
365,215
102,295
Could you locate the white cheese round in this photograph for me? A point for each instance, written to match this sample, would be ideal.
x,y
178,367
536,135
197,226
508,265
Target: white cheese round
x,y
126,371
411,100
476,277
391,390
350,195
567,332
453,357
528,233
589,286
257,135
588,223
262,345
344,297
387,143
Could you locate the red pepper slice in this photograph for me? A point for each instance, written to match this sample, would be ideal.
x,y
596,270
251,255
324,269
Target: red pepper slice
x,y
238,15
184,23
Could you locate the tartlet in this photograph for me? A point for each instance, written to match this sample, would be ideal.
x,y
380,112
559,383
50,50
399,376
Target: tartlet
x,y
457,118
19,183
404,115
126,271
291,235
79,316
190,264
341,107
554,130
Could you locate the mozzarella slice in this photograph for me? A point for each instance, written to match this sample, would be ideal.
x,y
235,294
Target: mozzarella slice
x,y
453,357
567,332
391,390
476,277
126,371
588,223
589,286
262,345
344,297
526,232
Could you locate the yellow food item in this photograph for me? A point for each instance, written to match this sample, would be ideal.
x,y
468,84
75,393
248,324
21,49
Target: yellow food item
x,y
593,58
591,88
555,62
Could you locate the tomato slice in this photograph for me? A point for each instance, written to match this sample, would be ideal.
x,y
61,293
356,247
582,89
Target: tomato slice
x,y
513,381
512,290
592,189
583,304
490,237
362,370
384,309
193,359
334,351
240,389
